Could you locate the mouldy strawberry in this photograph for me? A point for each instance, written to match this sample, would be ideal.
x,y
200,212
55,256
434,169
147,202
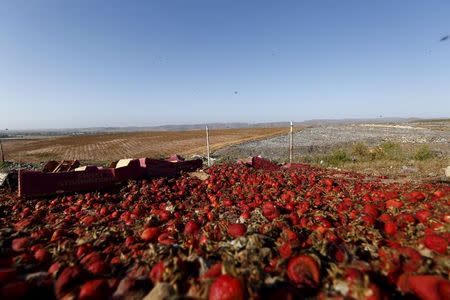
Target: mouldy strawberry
x,y
304,271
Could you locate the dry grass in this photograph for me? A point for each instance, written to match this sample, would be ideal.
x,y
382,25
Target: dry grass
x,y
109,147
392,159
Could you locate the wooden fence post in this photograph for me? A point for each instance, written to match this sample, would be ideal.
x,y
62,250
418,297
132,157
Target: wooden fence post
x,y
2,155
207,146
291,143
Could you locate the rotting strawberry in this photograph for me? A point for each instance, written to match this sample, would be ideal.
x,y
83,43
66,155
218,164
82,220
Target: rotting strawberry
x,y
303,271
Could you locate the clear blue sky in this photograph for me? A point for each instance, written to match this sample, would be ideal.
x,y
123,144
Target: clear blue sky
x,y
137,63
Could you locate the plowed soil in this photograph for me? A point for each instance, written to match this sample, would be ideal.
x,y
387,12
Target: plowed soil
x,y
109,147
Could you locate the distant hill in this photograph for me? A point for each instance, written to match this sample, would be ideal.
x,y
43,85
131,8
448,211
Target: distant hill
x,y
185,127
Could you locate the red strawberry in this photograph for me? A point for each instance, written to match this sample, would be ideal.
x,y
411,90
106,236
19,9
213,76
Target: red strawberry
x,y
91,258
150,234
245,215
303,270
54,268
42,255
436,243
69,278
94,290
371,210
226,287
285,250
385,218
98,267
236,230
20,244
88,220
427,287
157,272
213,272
394,203
390,228
423,215
191,228
270,211
412,260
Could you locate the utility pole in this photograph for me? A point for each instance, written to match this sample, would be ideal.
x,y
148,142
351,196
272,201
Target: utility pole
x,y
207,146
291,143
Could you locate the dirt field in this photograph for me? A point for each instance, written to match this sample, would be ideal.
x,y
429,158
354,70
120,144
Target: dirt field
x,y
109,147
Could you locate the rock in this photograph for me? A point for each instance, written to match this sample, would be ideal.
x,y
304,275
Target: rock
x,y
130,289
447,171
161,291
3,178
406,169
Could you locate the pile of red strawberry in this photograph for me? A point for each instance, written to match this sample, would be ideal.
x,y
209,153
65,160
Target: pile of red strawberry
x,y
240,234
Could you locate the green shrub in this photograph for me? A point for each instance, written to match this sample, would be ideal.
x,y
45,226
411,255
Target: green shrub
x,y
390,151
423,153
360,150
338,157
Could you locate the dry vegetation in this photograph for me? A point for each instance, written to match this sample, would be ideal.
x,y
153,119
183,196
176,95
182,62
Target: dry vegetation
x,y
109,147
392,159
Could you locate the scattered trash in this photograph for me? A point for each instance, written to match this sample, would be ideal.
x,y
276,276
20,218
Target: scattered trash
x,y
407,169
3,178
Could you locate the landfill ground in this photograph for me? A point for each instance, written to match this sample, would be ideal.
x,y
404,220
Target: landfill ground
x,y
316,144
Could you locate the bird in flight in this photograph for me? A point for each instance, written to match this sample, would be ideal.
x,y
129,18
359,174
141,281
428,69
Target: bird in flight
x,y
444,38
